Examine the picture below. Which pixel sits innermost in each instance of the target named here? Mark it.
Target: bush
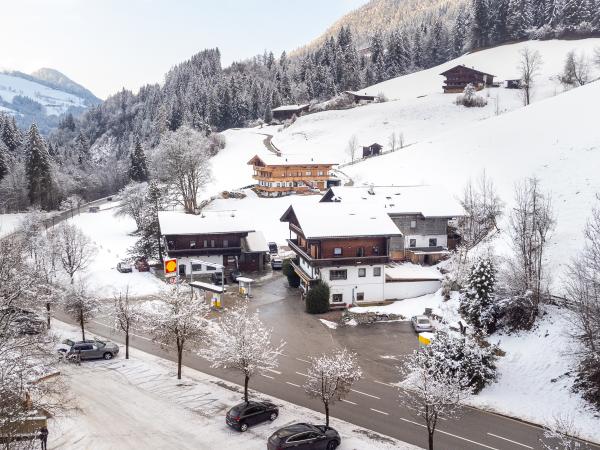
(588, 380)
(290, 273)
(317, 299)
(517, 312)
(469, 98)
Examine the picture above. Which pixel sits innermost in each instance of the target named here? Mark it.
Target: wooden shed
(357, 97)
(458, 77)
(372, 150)
(286, 112)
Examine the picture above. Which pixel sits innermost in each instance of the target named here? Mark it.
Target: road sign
(170, 266)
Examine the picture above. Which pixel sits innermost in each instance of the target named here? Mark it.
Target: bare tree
(576, 71)
(558, 434)
(240, 341)
(401, 139)
(331, 376)
(181, 161)
(81, 305)
(597, 56)
(432, 391)
(393, 142)
(531, 223)
(352, 148)
(180, 321)
(529, 68)
(75, 250)
(133, 202)
(126, 315)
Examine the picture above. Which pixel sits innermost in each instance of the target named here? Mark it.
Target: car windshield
(424, 321)
(68, 342)
(100, 344)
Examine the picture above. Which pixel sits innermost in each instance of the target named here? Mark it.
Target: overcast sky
(109, 44)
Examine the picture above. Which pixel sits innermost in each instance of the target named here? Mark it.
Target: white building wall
(423, 240)
(371, 286)
(215, 259)
(399, 290)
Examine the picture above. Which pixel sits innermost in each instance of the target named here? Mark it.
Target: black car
(304, 436)
(244, 415)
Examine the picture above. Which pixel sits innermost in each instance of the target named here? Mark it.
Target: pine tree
(479, 24)
(82, 149)
(38, 169)
(149, 244)
(572, 14)
(460, 32)
(518, 21)
(477, 304)
(11, 135)
(498, 21)
(3, 160)
(138, 169)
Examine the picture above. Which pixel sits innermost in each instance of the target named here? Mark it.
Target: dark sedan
(304, 436)
(244, 415)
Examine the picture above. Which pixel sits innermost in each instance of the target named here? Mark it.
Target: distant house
(458, 77)
(277, 176)
(286, 112)
(372, 150)
(357, 97)
(215, 237)
(421, 213)
(512, 84)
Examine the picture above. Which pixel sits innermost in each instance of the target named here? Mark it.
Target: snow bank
(9, 223)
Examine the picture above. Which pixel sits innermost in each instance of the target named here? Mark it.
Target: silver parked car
(421, 323)
(91, 349)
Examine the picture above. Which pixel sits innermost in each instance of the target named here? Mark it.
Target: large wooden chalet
(286, 112)
(222, 238)
(458, 77)
(277, 176)
(423, 215)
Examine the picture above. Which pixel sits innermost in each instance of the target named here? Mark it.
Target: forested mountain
(90, 153)
(58, 80)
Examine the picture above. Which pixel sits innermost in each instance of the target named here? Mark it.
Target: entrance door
(182, 270)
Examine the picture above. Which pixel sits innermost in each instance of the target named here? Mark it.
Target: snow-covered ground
(139, 403)
(420, 110)
(10, 222)
(112, 237)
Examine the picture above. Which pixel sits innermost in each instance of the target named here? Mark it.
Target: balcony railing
(337, 261)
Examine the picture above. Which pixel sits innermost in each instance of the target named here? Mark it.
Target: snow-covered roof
(338, 220)
(429, 201)
(285, 159)
(290, 107)
(409, 271)
(214, 222)
(256, 242)
(359, 94)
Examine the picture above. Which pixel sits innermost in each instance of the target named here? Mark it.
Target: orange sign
(170, 267)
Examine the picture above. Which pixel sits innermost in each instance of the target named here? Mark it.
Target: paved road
(374, 403)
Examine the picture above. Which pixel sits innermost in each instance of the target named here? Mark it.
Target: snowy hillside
(419, 110)
(554, 139)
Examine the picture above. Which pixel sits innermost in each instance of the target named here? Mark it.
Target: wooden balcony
(337, 261)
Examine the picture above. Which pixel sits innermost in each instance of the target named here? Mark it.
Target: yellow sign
(424, 338)
(170, 267)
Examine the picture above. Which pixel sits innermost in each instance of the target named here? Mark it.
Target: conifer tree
(38, 169)
(479, 24)
(138, 168)
(11, 135)
(477, 304)
(517, 20)
(3, 160)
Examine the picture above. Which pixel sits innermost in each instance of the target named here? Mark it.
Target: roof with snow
(208, 222)
(462, 66)
(289, 159)
(426, 200)
(291, 107)
(255, 242)
(337, 220)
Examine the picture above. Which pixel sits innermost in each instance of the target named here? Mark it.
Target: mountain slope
(55, 79)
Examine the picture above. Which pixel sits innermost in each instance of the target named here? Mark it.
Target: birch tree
(331, 376)
(239, 341)
(181, 161)
(75, 250)
(81, 305)
(178, 321)
(125, 315)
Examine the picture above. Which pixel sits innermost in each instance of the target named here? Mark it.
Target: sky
(106, 45)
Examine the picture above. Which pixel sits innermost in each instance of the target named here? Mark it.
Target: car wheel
(243, 427)
(273, 416)
(108, 356)
(332, 445)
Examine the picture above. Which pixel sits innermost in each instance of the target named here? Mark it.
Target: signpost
(170, 268)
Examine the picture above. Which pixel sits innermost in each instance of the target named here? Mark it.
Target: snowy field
(10, 222)
(111, 237)
(139, 403)
(420, 110)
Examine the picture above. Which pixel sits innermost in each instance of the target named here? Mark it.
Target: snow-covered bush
(478, 303)
(470, 98)
(517, 312)
(317, 299)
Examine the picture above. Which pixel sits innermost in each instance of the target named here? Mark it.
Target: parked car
(304, 436)
(234, 274)
(141, 265)
(244, 415)
(276, 263)
(91, 349)
(94, 209)
(421, 323)
(124, 267)
(216, 278)
(273, 249)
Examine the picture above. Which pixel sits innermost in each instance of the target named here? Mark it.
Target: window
(362, 272)
(337, 298)
(308, 173)
(196, 267)
(320, 173)
(433, 242)
(360, 296)
(337, 251)
(376, 271)
(171, 245)
(225, 243)
(212, 243)
(211, 268)
(413, 224)
(338, 274)
(192, 244)
(360, 252)
(376, 250)
(205, 243)
(412, 243)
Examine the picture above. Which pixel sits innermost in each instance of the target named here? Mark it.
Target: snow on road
(139, 403)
